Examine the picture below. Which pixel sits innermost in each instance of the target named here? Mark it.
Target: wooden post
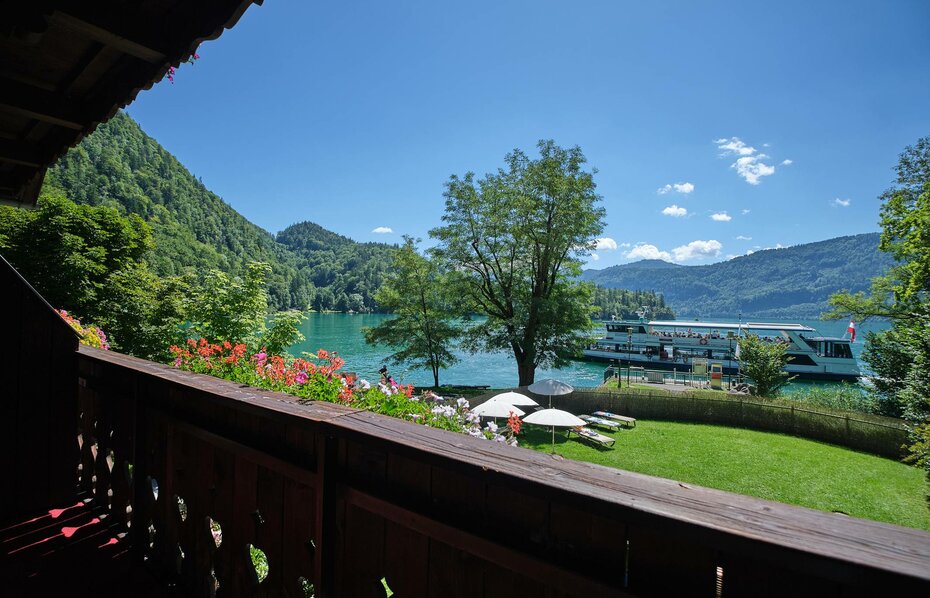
(325, 554)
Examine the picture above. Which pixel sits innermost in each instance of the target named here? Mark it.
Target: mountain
(345, 273)
(793, 282)
(120, 166)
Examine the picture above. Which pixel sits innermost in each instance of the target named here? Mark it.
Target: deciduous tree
(901, 356)
(513, 242)
(422, 328)
(764, 363)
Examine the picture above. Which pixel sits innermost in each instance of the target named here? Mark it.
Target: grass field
(772, 466)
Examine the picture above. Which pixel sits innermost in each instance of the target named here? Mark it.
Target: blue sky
(716, 128)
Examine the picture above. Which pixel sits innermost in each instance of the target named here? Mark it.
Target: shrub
(319, 378)
(91, 335)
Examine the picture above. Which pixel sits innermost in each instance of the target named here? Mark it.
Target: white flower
(492, 427)
(462, 403)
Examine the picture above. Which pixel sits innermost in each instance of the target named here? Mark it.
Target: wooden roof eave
(122, 56)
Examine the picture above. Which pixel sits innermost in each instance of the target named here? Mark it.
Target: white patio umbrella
(554, 418)
(550, 388)
(514, 398)
(496, 409)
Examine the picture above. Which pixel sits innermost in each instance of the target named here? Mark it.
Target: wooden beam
(110, 36)
(550, 574)
(19, 153)
(28, 101)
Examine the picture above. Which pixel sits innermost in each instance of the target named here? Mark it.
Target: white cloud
(743, 238)
(721, 217)
(605, 244)
(595, 257)
(677, 187)
(675, 211)
(750, 252)
(734, 145)
(752, 169)
(645, 251)
(697, 249)
(746, 211)
(840, 203)
(383, 230)
(625, 245)
(787, 162)
(749, 164)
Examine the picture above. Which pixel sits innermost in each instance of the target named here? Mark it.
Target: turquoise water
(343, 333)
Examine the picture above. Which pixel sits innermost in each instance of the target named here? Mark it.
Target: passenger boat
(679, 345)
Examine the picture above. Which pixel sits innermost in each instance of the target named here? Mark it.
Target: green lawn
(772, 466)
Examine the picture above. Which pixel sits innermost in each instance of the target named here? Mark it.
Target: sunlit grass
(772, 466)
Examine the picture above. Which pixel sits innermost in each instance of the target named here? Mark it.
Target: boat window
(800, 359)
(842, 350)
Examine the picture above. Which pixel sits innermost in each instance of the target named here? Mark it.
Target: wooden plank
(454, 573)
(300, 546)
(115, 39)
(32, 443)
(241, 530)
(19, 153)
(63, 422)
(550, 574)
(30, 102)
(258, 457)
(363, 563)
(270, 532)
(652, 555)
(11, 354)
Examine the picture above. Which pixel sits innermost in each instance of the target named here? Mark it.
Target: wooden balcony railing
(349, 501)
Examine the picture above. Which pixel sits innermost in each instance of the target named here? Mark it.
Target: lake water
(343, 333)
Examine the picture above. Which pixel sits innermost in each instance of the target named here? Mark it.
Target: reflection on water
(343, 333)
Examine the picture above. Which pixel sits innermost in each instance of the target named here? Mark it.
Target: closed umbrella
(514, 398)
(496, 409)
(554, 418)
(550, 388)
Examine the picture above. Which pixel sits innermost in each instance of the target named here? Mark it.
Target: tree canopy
(764, 363)
(900, 357)
(120, 167)
(513, 243)
(423, 328)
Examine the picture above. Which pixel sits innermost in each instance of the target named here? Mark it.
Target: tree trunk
(527, 372)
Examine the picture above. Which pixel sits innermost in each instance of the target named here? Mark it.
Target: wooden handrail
(231, 451)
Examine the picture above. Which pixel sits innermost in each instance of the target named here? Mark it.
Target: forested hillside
(624, 304)
(345, 273)
(120, 166)
(776, 283)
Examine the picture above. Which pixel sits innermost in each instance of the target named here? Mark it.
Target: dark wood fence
(349, 501)
(883, 436)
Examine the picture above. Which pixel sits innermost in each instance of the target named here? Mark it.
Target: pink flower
(301, 378)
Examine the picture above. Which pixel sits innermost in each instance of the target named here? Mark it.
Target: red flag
(852, 331)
